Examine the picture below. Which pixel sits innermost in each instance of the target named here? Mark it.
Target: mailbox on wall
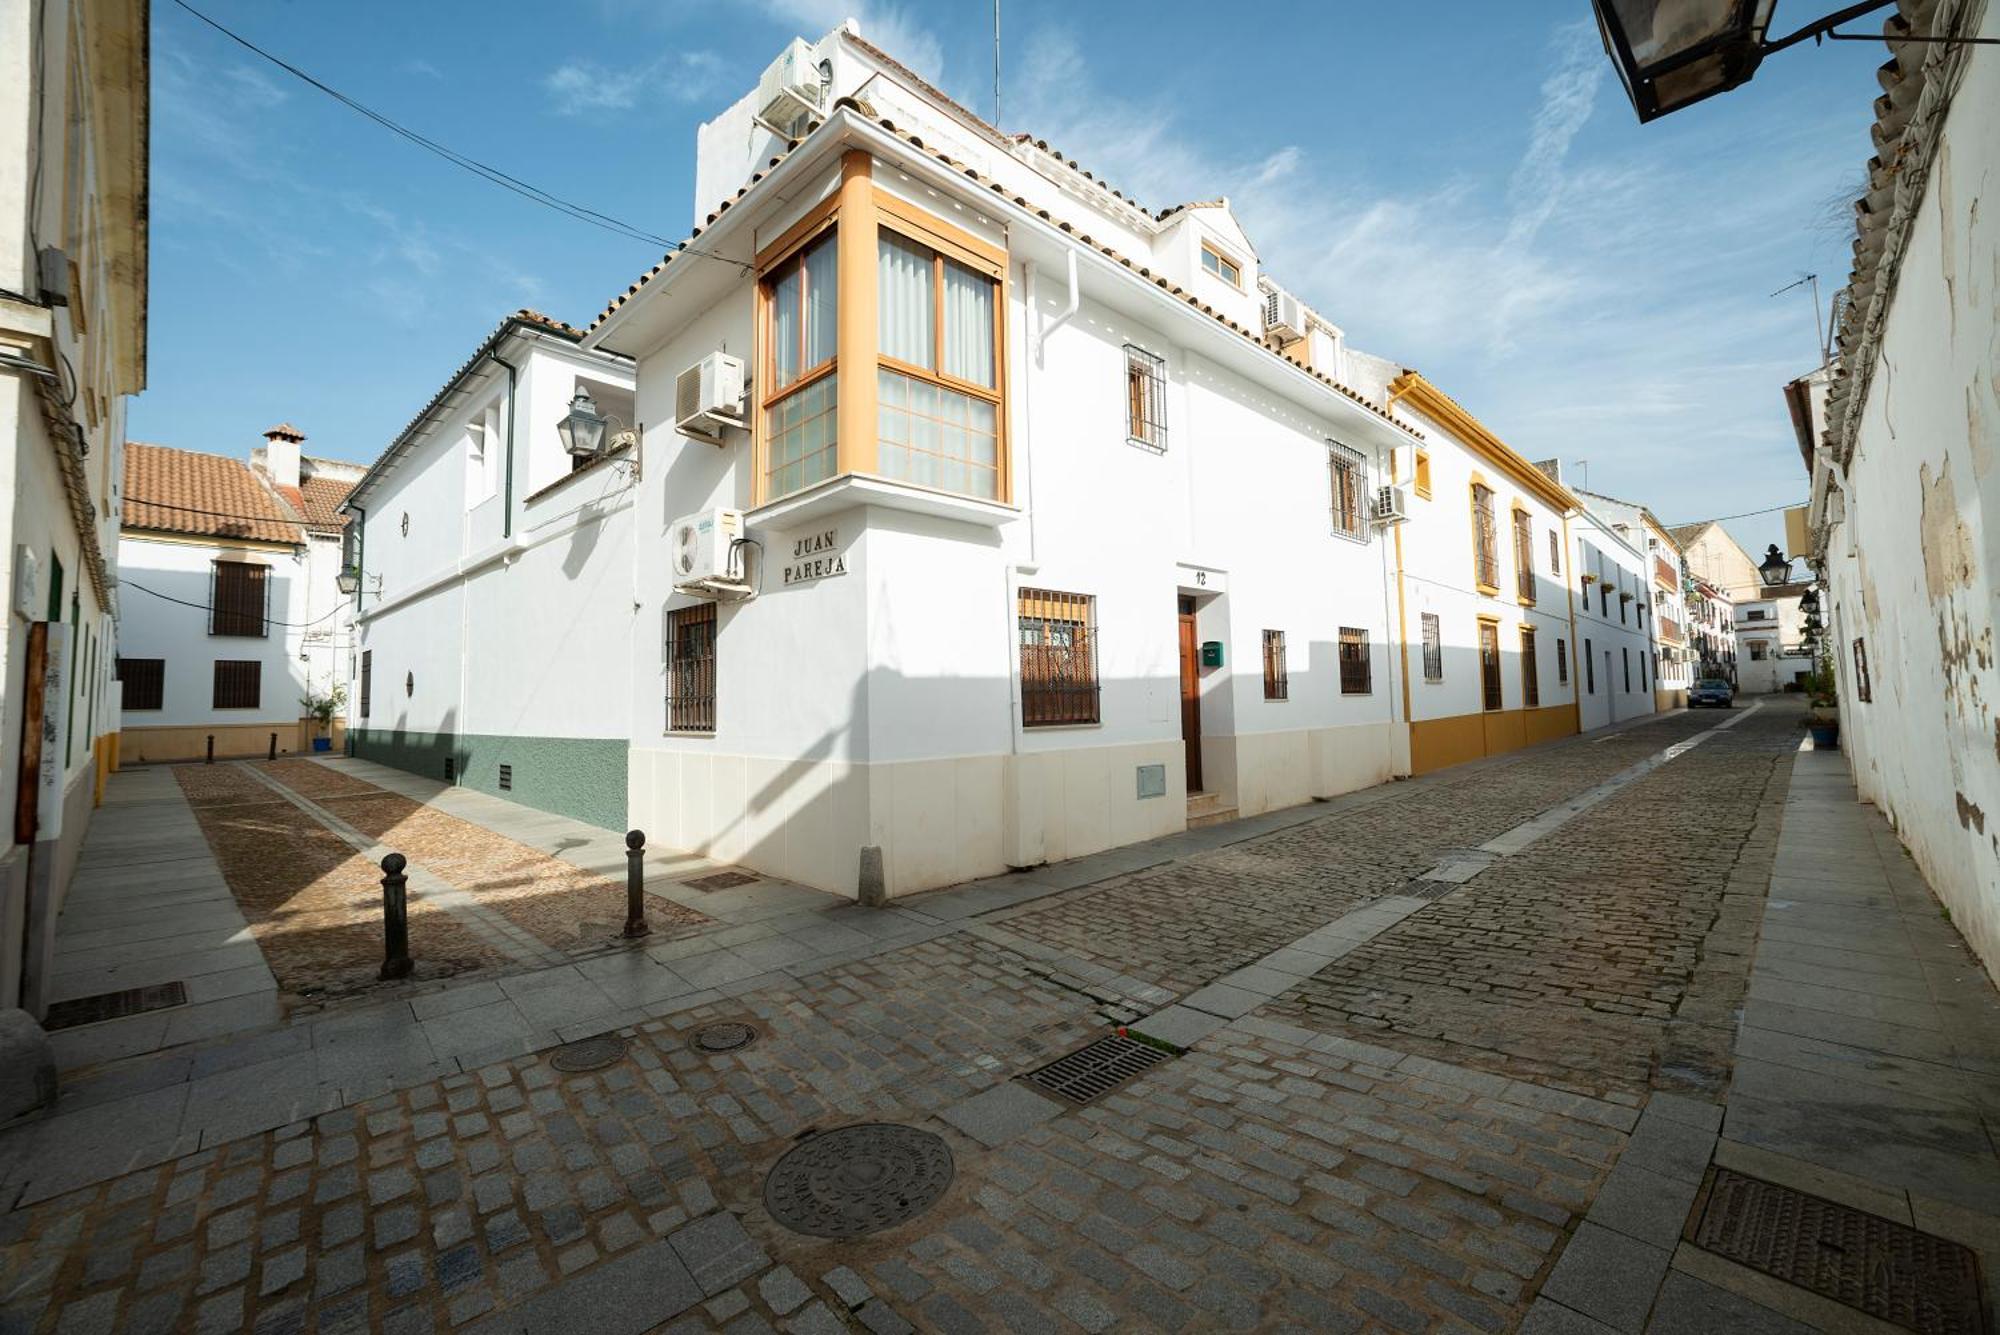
(1211, 653)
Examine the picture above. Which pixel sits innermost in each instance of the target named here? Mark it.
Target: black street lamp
(1775, 568)
(582, 429)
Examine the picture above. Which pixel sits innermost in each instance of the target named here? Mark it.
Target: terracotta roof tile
(320, 499)
(204, 495)
(286, 431)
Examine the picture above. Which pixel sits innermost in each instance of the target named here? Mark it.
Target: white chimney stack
(281, 454)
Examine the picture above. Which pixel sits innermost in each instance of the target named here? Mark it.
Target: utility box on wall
(1211, 653)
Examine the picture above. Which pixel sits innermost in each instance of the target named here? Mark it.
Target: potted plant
(1822, 718)
(322, 709)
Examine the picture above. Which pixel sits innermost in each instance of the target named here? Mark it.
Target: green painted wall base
(580, 777)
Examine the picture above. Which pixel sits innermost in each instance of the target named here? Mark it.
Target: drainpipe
(360, 551)
(507, 497)
(1036, 339)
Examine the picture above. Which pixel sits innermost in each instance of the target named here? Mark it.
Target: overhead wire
(204, 607)
(1747, 514)
(514, 184)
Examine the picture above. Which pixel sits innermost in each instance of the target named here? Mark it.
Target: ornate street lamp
(582, 429)
(1775, 568)
(1673, 53)
(348, 580)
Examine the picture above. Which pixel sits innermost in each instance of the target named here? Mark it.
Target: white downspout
(1038, 338)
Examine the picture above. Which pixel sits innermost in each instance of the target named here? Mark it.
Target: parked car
(1712, 691)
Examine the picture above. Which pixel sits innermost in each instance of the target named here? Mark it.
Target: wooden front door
(1191, 695)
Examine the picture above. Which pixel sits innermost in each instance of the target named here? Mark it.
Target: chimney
(1551, 469)
(281, 454)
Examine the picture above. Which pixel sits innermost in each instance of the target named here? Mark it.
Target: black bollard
(395, 918)
(274, 747)
(635, 885)
(211, 750)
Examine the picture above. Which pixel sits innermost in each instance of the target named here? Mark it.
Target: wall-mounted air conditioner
(1392, 504)
(790, 90)
(1284, 314)
(708, 397)
(704, 549)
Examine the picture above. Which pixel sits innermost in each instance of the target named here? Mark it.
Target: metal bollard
(274, 747)
(211, 750)
(635, 885)
(396, 961)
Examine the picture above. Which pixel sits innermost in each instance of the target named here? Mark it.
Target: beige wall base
(233, 741)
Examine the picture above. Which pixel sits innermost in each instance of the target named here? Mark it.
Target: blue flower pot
(1825, 736)
(322, 743)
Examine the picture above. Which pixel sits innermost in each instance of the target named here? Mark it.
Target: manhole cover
(722, 880)
(724, 1036)
(1093, 1071)
(858, 1180)
(589, 1054)
(114, 1005)
(1915, 1280)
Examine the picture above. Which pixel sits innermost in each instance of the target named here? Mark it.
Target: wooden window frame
(1277, 680)
(1485, 540)
(233, 611)
(1223, 259)
(229, 678)
(1349, 504)
(1145, 399)
(770, 394)
(1357, 673)
(1562, 661)
(691, 677)
(1423, 475)
(1524, 556)
(1555, 555)
(1048, 700)
(1433, 647)
(1492, 687)
(150, 678)
(1531, 672)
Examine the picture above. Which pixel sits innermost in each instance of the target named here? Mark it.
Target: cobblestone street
(1434, 1122)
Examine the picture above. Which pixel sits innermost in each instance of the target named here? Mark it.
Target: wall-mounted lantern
(582, 428)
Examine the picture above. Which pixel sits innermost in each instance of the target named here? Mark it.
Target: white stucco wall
(1607, 642)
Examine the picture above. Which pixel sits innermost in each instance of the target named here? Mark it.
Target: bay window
(804, 302)
(937, 390)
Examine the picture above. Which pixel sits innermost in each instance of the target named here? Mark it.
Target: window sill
(1490, 590)
(1061, 727)
(1141, 443)
(689, 732)
(852, 490)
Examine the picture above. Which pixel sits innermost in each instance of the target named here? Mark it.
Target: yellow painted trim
(1435, 404)
(1443, 742)
(1402, 604)
(856, 336)
(941, 236)
(1423, 477)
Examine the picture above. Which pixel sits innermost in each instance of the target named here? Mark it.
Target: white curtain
(822, 300)
(968, 325)
(904, 300)
(785, 328)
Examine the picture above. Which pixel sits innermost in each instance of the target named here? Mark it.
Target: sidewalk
(1867, 1073)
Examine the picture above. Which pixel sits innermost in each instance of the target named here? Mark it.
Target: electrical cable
(204, 607)
(512, 184)
(219, 514)
(1747, 514)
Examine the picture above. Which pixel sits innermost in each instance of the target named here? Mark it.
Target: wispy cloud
(582, 87)
(422, 69)
(900, 30)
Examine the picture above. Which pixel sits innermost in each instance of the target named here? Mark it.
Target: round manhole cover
(858, 1180)
(589, 1054)
(724, 1036)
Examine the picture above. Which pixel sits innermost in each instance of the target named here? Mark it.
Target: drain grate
(724, 1036)
(1422, 888)
(115, 1005)
(1915, 1280)
(858, 1180)
(722, 880)
(589, 1054)
(1092, 1071)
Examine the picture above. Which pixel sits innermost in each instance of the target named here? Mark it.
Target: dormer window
(1219, 264)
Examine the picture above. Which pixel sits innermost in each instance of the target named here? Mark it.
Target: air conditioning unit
(1392, 504)
(790, 89)
(703, 550)
(1284, 314)
(708, 396)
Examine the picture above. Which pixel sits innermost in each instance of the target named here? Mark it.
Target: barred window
(1348, 475)
(1589, 669)
(1562, 662)
(1277, 683)
(1489, 665)
(239, 599)
(1531, 678)
(1486, 549)
(1862, 690)
(1433, 649)
(1354, 674)
(239, 683)
(1555, 554)
(1058, 658)
(367, 679)
(691, 668)
(1145, 398)
(145, 682)
(1625, 657)
(1524, 555)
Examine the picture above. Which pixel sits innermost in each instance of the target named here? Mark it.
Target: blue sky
(1461, 186)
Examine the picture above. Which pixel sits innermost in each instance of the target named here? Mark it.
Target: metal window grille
(1625, 657)
(506, 778)
(1145, 397)
(1433, 649)
(1562, 662)
(1058, 658)
(1531, 677)
(1277, 683)
(239, 683)
(691, 669)
(367, 679)
(1524, 555)
(1589, 669)
(1862, 691)
(1489, 664)
(239, 599)
(1354, 674)
(1486, 552)
(145, 682)
(1347, 476)
(1555, 554)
